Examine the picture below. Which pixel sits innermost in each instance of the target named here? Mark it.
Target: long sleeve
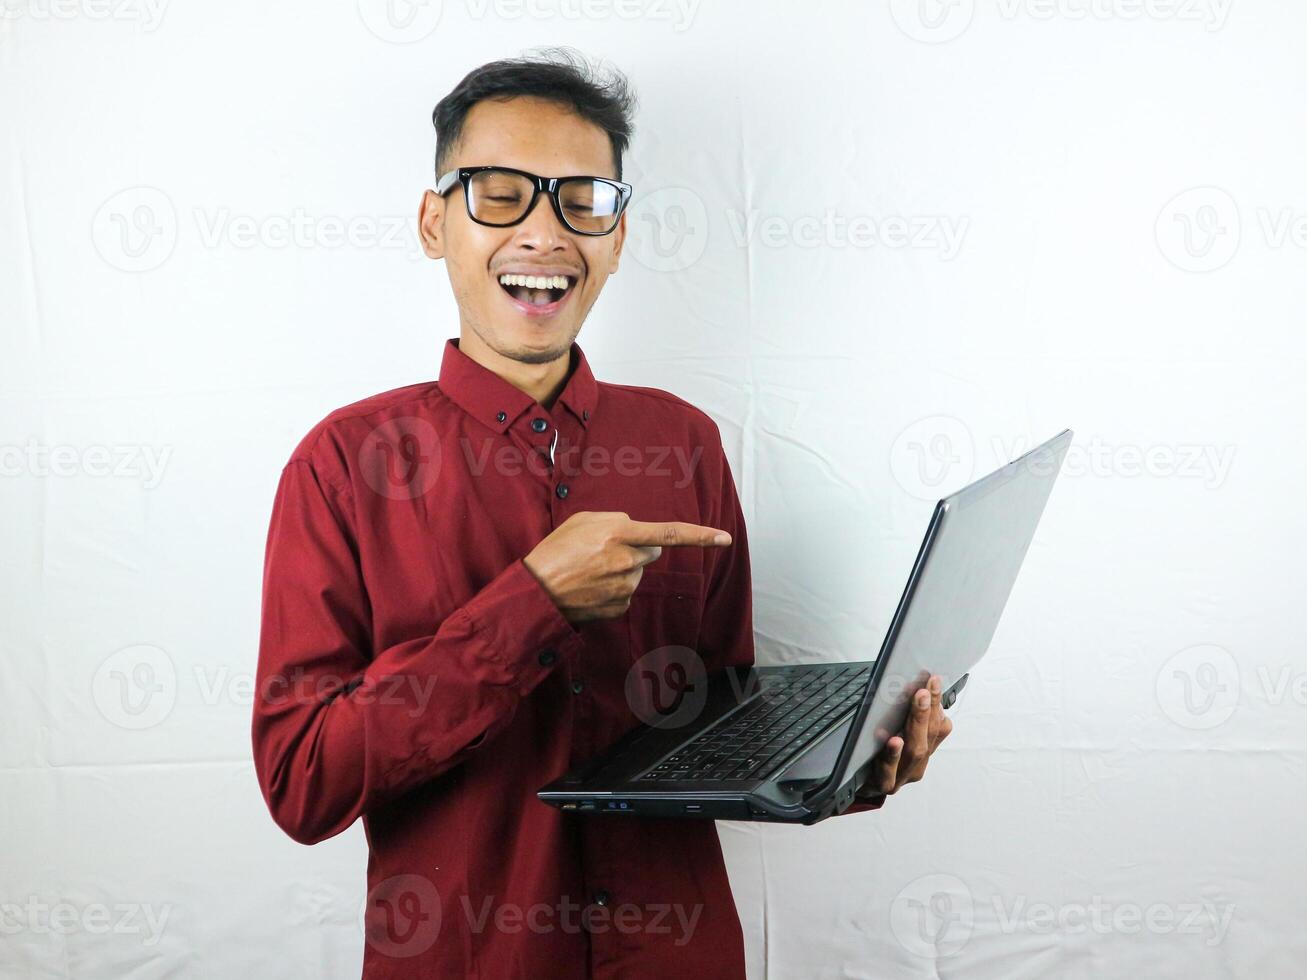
(339, 728)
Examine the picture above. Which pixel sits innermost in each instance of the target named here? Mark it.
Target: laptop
(791, 744)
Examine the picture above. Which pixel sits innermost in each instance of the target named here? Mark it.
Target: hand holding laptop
(904, 757)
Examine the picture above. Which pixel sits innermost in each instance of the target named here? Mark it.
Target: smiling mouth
(542, 291)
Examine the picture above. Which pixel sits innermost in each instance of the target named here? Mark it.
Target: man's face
(543, 138)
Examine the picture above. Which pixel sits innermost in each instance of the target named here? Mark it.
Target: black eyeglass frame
(549, 185)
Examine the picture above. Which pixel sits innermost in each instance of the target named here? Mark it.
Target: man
(462, 576)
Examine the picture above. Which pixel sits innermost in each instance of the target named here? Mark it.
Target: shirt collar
(492, 400)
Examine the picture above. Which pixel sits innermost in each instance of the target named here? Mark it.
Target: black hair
(601, 96)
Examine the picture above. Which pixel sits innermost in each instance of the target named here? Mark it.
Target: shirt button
(601, 898)
(547, 657)
(539, 425)
(561, 490)
(500, 416)
(585, 415)
(577, 687)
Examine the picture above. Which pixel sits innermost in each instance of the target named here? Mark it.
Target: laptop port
(694, 808)
(587, 805)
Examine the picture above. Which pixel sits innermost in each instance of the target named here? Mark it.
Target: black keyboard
(766, 732)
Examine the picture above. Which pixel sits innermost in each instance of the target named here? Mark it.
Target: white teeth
(535, 282)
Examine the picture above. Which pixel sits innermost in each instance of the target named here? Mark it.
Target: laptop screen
(963, 576)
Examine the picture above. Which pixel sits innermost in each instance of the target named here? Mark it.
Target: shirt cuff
(861, 804)
(520, 627)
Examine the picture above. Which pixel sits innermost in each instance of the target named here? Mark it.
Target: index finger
(674, 534)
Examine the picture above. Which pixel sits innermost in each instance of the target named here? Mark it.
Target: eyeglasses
(502, 196)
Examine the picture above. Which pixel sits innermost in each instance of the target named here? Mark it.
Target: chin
(533, 343)
(536, 356)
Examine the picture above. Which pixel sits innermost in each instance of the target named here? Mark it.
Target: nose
(540, 229)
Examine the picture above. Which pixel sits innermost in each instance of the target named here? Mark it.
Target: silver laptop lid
(960, 582)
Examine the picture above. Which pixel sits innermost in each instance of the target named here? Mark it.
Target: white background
(1106, 229)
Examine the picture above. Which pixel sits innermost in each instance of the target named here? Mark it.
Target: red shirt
(413, 672)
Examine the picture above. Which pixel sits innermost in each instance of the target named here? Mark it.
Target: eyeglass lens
(498, 197)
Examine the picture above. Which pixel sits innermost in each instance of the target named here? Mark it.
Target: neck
(544, 381)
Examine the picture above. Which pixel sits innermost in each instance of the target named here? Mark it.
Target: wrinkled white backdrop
(885, 246)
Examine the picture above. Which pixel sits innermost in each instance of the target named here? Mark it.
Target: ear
(431, 220)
